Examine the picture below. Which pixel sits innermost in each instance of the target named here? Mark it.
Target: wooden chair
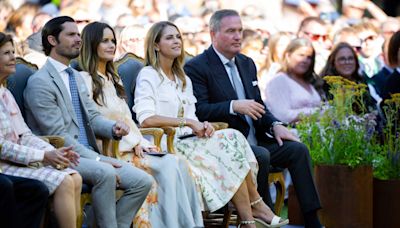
(276, 177)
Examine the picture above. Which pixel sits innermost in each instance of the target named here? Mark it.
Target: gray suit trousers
(135, 183)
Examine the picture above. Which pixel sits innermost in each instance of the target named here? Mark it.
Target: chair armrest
(56, 141)
(157, 134)
(170, 132)
(220, 125)
(114, 144)
(106, 143)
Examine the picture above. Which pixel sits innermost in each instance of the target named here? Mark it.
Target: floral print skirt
(219, 163)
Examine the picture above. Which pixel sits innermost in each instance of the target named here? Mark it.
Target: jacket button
(75, 136)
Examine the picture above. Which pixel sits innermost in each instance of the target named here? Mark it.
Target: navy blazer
(392, 85)
(214, 91)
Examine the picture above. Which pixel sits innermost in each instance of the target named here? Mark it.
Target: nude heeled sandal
(275, 222)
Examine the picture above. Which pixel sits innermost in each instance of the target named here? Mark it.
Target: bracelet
(182, 122)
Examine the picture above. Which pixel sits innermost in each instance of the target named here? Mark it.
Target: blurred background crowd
(269, 26)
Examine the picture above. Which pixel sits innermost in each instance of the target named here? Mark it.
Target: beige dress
(173, 200)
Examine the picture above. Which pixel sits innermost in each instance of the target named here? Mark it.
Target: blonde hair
(295, 44)
(151, 56)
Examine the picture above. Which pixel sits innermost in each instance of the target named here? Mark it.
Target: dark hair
(92, 35)
(4, 38)
(394, 49)
(53, 28)
(216, 18)
(329, 69)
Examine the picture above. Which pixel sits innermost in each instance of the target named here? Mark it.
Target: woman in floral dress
(222, 161)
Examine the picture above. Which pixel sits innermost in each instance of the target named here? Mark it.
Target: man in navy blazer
(226, 87)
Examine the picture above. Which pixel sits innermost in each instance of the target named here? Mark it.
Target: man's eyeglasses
(316, 37)
(349, 59)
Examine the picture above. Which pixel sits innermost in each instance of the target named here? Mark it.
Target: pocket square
(254, 83)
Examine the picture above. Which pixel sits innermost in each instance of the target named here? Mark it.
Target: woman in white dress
(25, 155)
(173, 200)
(222, 161)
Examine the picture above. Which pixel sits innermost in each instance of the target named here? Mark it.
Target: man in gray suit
(57, 103)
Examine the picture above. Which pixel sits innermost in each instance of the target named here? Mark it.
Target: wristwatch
(276, 123)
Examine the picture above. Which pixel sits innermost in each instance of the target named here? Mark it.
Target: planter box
(386, 203)
(346, 195)
(294, 211)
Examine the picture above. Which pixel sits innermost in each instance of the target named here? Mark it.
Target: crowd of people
(211, 65)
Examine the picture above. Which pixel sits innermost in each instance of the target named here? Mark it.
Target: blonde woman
(222, 161)
(173, 201)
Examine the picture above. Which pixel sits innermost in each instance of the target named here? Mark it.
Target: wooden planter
(346, 195)
(294, 211)
(386, 203)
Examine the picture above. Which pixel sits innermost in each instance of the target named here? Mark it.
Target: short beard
(68, 54)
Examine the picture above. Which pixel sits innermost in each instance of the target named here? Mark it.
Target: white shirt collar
(60, 67)
(223, 59)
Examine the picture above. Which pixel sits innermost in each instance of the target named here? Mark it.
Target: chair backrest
(128, 68)
(16, 82)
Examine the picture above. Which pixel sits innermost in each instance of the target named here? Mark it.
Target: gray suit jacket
(49, 110)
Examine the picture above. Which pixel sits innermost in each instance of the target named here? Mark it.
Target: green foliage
(387, 161)
(338, 135)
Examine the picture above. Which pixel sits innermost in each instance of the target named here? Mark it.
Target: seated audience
(222, 161)
(277, 44)
(225, 85)
(131, 40)
(343, 62)
(316, 30)
(292, 93)
(369, 56)
(25, 155)
(174, 202)
(392, 84)
(57, 102)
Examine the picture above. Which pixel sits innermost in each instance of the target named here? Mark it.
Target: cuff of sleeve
(116, 137)
(37, 155)
(231, 109)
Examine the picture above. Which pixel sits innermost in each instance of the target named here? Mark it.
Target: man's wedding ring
(58, 166)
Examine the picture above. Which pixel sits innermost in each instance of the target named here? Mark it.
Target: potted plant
(341, 139)
(387, 169)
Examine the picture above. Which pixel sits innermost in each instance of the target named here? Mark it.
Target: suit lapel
(220, 75)
(63, 90)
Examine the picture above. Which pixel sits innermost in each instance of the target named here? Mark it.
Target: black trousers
(22, 201)
(294, 156)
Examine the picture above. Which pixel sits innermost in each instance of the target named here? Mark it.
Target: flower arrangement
(342, 132)
(387, 162)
